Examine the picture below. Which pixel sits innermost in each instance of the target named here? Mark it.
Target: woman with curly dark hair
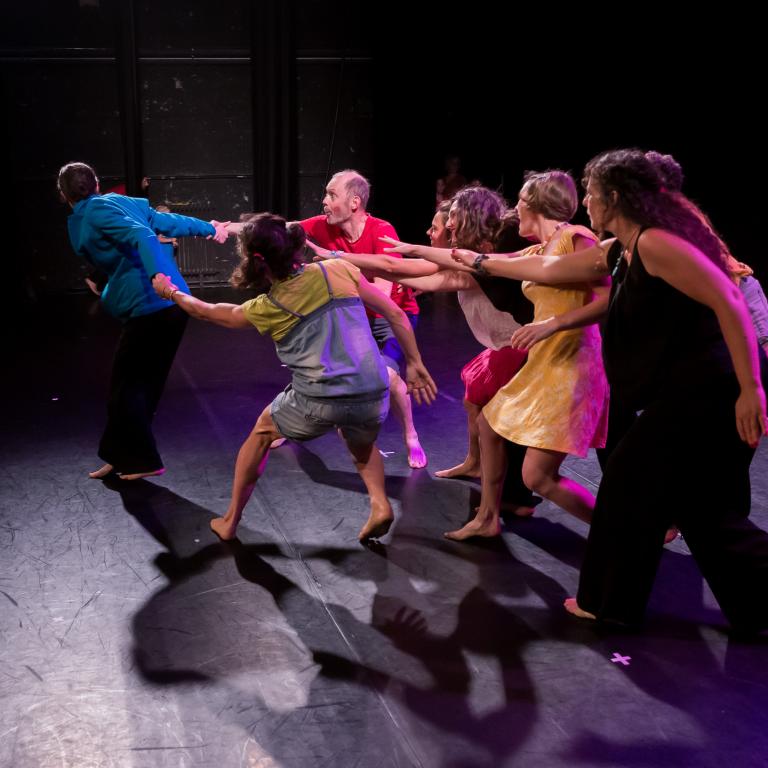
(679, 346)
(314, 313)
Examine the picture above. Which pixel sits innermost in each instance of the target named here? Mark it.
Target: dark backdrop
(236, 105)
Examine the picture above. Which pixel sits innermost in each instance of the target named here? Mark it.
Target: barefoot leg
(573, 607)
(541, 474)
(370, 465)
(140, 475)
(251, 460)
(101, 472)
(493, 462)
(401, 407)
(484, 525)
(470, 467)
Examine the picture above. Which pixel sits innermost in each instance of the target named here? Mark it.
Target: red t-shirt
(330, 236)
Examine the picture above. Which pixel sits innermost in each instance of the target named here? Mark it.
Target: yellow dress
(559, 399)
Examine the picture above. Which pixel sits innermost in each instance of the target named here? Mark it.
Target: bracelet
(334, 254)
(171, 294)
(477, 264)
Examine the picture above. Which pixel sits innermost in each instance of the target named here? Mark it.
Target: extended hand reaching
(420, 383)
(163, 285)
(222, 233)
(464, 256)
(321, 254)
(395, 246)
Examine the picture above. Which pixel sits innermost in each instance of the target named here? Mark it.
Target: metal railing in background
(202, 262)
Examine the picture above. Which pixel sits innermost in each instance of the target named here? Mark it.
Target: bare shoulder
(654, 237)
(662, 251)
(656, 243)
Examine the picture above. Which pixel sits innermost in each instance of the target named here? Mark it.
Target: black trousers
(621, 417)
(142, 362)
(681, 461)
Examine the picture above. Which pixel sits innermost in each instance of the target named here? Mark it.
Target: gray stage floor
(131, 637)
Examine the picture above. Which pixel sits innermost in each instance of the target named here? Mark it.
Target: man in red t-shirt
(347, 227)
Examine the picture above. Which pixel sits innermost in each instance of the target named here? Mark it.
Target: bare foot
(416, 456)
(277, 443)
(486, 528)
(139, 475)
(516, 509)
(467, 468)
(573, 607)
(671, 534)
(378, 522)
(223, 528)
(103, 472)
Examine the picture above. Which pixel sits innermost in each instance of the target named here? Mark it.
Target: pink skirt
(485, 374)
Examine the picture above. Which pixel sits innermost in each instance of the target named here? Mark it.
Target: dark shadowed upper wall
(235, 104)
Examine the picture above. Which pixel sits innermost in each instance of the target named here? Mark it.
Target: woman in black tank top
(678, 344)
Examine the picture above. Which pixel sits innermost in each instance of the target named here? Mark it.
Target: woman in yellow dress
(557, 403)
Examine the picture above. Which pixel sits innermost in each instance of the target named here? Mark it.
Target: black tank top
(657, 340)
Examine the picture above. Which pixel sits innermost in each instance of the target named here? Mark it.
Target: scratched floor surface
(132, 638)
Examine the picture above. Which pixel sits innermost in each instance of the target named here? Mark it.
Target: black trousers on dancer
(142, 362)
(621, 417)
(680, 462)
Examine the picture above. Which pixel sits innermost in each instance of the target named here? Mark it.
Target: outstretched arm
(228, 315)
(584, 266)
(440, 256)
(379, 264)
(108, 218)
(442, 282)
(177, 225)
(234, 227)
(581, 267)
(417, 377)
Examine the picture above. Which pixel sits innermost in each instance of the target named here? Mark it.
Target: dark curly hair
(669, 169)
(266, 241)
(643, 197)
(671, 173)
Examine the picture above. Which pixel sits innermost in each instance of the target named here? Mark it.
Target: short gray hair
(357, 185)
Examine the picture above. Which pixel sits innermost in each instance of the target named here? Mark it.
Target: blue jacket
(118, 234)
